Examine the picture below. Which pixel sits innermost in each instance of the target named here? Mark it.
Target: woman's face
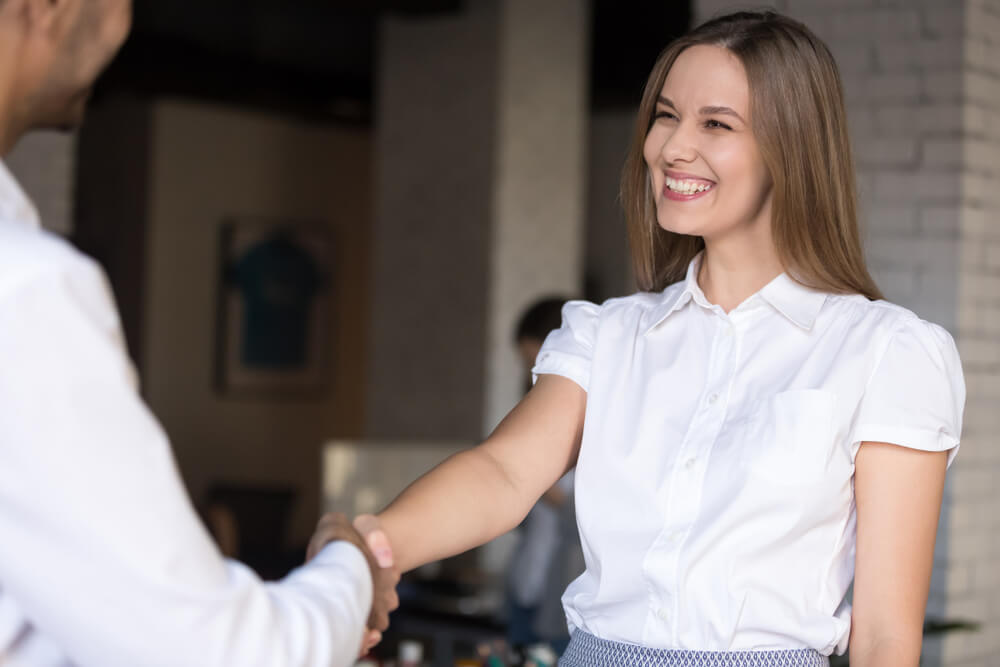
(705, 167)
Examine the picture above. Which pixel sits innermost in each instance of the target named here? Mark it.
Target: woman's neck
(728, 276)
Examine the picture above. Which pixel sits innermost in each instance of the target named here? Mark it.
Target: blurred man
(102, 560)
(548, 555)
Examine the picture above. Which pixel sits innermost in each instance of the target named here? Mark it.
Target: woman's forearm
(462, 503)
(887, 651)
(484, 492)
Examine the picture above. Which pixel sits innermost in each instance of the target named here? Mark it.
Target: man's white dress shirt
(714, 488)
(103, 561)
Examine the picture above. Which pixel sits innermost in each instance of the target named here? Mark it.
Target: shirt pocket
(789, 437)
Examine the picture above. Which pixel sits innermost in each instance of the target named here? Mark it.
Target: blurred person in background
(548, 555)
(103, 561)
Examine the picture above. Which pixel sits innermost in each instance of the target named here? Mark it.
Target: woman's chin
(683, 227)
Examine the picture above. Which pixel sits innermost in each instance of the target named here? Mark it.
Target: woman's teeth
(687, 187)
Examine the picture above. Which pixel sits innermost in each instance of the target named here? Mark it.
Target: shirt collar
(798, 303)
(795, 301)
(677, 296)
(15, 207)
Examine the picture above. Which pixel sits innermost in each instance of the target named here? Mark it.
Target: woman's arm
(484, 492)
(898, 492)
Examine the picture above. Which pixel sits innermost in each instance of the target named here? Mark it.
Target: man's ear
(43, 16)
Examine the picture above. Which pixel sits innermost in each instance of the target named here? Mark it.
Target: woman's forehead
(705, 75)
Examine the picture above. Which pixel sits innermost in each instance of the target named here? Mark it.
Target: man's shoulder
(28, 254)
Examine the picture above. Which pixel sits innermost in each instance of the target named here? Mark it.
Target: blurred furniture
(251, 523)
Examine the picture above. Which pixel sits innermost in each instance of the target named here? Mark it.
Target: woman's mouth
(685, 189)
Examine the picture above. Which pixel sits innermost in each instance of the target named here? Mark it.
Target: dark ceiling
(317, 57)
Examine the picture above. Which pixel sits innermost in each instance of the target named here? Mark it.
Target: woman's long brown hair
(798, 119)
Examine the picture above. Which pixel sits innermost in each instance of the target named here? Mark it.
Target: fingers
(375, 537)
(372, 638)
(386, 600)
(392, 602)
(330, 525)
(379, 619)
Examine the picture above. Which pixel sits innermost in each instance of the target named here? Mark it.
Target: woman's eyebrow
(704, 111)
(724, 111)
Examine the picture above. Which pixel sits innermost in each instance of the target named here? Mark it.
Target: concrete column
(479, 185)
(435, 151)
(537, 237)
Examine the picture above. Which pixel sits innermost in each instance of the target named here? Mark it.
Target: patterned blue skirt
(586, 650)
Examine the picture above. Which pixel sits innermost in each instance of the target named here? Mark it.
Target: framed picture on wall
(274, 330)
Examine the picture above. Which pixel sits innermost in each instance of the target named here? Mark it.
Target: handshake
(366, 534)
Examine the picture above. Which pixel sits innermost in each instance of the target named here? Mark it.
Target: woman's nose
(679, 145)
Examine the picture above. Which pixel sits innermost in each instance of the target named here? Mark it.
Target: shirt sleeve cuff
(914, 438)
(566, 365)
(349, 559)
(347, 556)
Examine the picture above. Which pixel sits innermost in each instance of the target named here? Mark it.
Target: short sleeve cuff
(346, 556)
(567, 365)
(913, 438)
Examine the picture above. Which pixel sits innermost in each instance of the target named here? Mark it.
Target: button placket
(684, 490)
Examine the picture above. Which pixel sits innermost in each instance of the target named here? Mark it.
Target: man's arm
(102, 550)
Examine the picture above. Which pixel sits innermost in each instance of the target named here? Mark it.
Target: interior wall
(210, 164)
(112, 179)
(608, 267)
(43, 163)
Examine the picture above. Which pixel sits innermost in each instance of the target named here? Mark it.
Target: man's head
(536, 322)
(51, 52)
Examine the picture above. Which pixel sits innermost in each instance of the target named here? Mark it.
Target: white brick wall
(972, 532)
(922, 82)
(44, 164)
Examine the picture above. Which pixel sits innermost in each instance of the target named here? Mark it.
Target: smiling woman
(754, 429)
(785, 85)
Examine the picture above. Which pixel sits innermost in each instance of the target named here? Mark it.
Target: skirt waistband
(586, 650)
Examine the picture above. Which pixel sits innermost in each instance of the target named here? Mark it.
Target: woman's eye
(716, 125)
(664, 114)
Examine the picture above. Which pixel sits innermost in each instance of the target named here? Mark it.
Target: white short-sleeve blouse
(715, 481)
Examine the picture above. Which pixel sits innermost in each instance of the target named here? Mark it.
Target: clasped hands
(366, 534)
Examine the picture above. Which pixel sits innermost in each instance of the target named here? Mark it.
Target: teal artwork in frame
(273, 333)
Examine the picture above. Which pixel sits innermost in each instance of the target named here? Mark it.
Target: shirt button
(664, 616)
(729, 332)
(712, 399)
(690, 463)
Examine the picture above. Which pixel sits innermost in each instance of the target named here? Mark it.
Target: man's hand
(367, 536)
(385, 598)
